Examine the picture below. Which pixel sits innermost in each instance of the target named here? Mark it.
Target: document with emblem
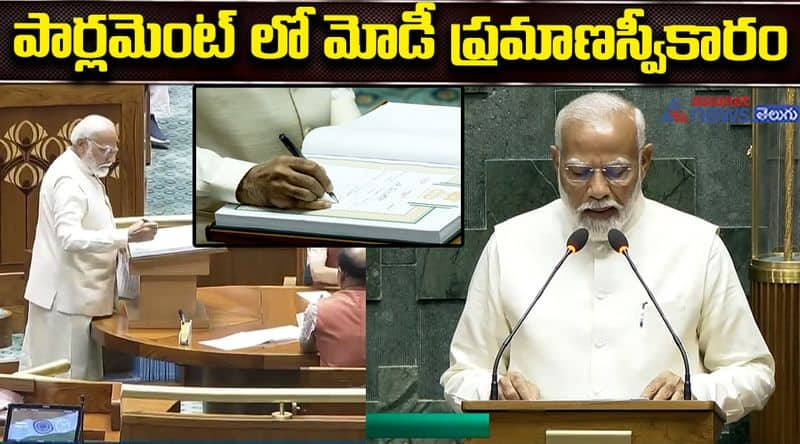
(396, 172)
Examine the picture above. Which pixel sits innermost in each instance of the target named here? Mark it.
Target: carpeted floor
(169, 175)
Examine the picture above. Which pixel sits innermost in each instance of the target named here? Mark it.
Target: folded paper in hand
(245, 339)
(127, 285)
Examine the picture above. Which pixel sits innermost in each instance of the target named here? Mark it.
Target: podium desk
(600, 422)
(230, 310)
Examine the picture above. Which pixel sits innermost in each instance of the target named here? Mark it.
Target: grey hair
(88, 127)
(597, 107)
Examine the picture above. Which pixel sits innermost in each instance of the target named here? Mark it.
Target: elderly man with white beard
(594, 334)
(73, 264)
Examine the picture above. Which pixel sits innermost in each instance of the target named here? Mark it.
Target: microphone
(575, 242)
(619, 243)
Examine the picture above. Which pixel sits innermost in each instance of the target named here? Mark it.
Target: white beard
(598, 229)
(98, 169)
(102, 170)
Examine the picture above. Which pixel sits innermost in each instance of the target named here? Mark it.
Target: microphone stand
(687, 387)
(493, 395)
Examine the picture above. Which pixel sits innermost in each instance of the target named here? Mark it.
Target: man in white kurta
(594, 334)
(73, 266)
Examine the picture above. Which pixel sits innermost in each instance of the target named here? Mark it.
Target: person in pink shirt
(336, 326)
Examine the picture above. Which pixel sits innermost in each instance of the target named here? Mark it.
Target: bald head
(353, 267)
(92, 126)
(94, 140)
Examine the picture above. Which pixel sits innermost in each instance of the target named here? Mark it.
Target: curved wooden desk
(230, 310)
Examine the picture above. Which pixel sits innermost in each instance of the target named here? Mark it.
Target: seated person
(322, 267)
(336, 326)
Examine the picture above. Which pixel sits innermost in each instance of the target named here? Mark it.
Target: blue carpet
(169, 175)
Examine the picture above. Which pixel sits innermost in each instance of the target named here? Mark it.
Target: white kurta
(51, 335)
(73, 267)
(589, 337)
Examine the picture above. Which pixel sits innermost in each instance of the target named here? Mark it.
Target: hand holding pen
(296, 153)
(142, 231)
(288, 182)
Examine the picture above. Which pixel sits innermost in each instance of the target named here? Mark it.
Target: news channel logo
(727, 110)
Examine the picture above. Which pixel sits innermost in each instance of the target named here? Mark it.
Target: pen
(181, 316)
(296, 153)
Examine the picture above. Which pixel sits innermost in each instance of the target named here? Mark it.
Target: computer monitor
(43, 423)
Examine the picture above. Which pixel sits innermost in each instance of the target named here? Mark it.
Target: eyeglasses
(106, 149)
(614, 173)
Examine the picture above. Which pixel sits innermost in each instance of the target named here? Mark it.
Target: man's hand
(667, 385)
(514, 386)
(142, 231)
(285, 182)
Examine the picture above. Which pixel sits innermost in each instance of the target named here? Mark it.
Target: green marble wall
(416, 295)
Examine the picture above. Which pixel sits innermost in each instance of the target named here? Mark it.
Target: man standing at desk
(336, 326)
(240, 158)
(73, 266)
(593, 334)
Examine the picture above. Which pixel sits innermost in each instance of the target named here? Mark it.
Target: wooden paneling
(656, 422)
(35, 122)
(12, 220)
(182, 427)
(12, 288)
(251, 266)
(97, 395)
(776, 308)
(98, 422)
(230, 310)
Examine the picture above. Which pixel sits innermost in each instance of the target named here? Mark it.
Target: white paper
(438, 196)
(313, 296)
(167, 241)
(383, 190)
(412, 117)
(394, 131)
(127, 284)
(245, 339)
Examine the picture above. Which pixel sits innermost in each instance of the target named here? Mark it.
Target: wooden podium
(599, 422)
(168, 283)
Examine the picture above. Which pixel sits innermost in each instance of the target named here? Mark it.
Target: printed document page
(371, 189)
(245, 339)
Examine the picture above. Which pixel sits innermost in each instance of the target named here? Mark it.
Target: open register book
(396, 172)
(172, 240)
(167, 241)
